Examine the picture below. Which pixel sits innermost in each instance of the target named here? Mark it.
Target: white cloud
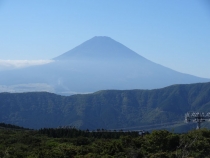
(13, 64)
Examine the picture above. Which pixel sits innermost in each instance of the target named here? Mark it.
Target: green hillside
(109, 109)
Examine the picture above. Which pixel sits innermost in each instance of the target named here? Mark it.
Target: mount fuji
(100, 63)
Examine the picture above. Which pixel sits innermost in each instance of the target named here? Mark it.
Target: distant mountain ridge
(110, 109)
(100, 63)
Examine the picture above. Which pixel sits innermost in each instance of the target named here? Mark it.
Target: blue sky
(173, 33)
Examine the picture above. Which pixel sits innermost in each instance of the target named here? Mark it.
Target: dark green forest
(17, 142)
(109, 109)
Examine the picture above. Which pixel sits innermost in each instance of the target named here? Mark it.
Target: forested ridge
(72, 142)
(108, 109)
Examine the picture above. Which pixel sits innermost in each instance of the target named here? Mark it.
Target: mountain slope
(100, 48)
(111, 109)
(98, 64)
